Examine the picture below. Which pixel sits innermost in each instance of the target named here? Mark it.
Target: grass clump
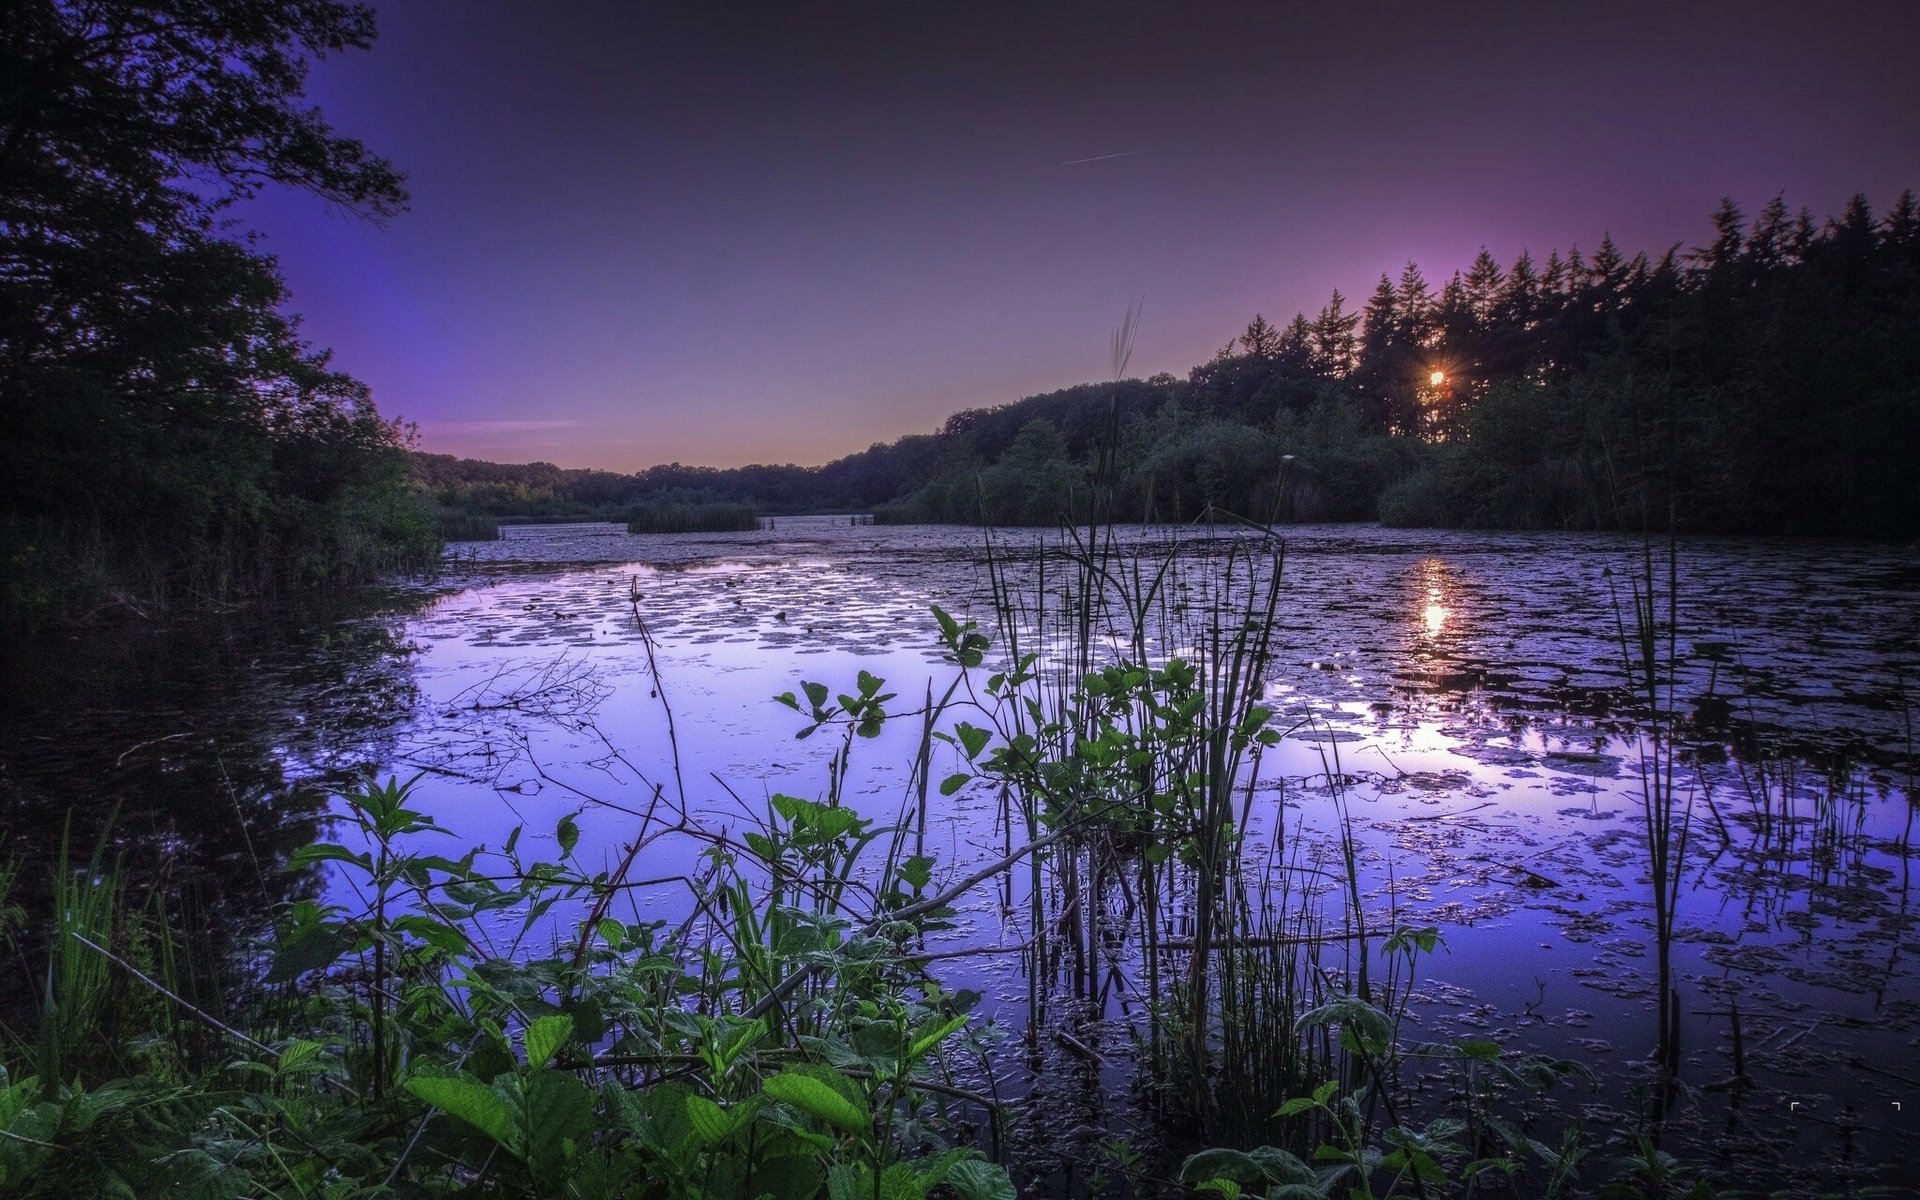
(469, 527)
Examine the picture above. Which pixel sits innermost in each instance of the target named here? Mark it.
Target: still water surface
(1462, 690)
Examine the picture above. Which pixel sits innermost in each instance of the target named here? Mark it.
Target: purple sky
(724, 234)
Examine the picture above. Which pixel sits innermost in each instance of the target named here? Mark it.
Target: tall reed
(1650, 655)
(1130, 714)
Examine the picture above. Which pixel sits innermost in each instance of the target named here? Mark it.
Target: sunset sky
(721, 234)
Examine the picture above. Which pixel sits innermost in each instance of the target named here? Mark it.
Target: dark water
(196, 756)
(1464, 690)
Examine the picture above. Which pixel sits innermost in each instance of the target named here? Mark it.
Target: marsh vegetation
(1100, 824)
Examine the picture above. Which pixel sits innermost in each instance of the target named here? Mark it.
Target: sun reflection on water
(1436, 588)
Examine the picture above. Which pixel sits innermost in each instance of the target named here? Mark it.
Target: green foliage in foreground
(779, 1039)
(763, 1046)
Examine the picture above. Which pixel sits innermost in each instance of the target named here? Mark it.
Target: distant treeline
(541, 489)
(1767, 382)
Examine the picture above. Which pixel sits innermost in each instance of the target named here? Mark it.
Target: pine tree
(1261, 340)
(1853, 236)
(1804, 235)
(1769, 243)
(1719, 256)
(1902, 238)
(1902, 222)
(1455, 321)
(1520, 298)
(1335, 348)
(1483, 285)
(1607, 277)
(1553, 284)
(1414, 308)
(1380, 323)
(1576, 284)
(1293, 348)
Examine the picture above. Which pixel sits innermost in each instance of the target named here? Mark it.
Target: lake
(1456, 725)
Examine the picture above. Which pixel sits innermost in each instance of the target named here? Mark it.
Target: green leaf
(328, 852)
(816, 1099)
(656, 1117)
(977, 1179)
(473, 1102)
(1424, 939)
(298, 1055)
(792, 808)
(559, 1121)
(899, 1181)
(1282, 1166)
(1245, 1169)
(545, 1036)
(710, 1121)
(929, 1172)
(916, 871)
(954, 783)
(308, 948)
(949, 628)
(928, 1038)
(739, 1040)
(438, 934)
(589, 1018)
(1353, 1015)
(847, 1181)
(973, 739)
(568, 834)
(1508, 1166)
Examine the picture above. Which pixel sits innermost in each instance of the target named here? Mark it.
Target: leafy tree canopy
(149, 378)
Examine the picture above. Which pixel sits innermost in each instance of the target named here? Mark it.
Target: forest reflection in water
(194, 756)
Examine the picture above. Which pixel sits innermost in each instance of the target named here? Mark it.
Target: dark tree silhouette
(163, 429)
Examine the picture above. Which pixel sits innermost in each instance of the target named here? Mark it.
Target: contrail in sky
(1074, 162)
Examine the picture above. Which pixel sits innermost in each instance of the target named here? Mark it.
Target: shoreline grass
(691, 518)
